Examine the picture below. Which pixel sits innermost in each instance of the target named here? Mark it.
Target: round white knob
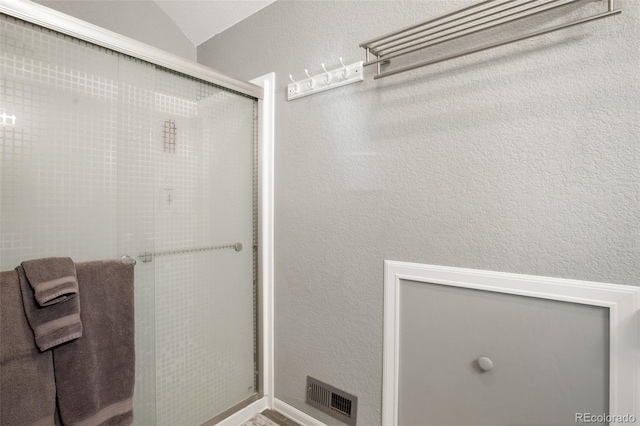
(485, 363)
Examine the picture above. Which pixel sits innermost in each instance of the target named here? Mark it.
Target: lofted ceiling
(200, 20)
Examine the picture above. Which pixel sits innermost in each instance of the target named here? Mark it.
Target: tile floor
(270, 418)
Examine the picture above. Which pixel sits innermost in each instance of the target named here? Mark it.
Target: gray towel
(95, 374)
(53, 279)
(54, 324)
(27, 386)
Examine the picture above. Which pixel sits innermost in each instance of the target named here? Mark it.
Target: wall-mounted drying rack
(329, 79)
(478, 17)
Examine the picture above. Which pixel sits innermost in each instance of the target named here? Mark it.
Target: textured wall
(141, 20)
(522, 159)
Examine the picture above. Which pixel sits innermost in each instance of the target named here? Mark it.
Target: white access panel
(549, 359)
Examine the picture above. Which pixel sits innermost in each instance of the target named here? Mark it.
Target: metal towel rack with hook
(472, 19)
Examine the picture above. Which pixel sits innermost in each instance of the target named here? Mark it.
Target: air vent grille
(319, 395)
(333, 401)
(341, 404)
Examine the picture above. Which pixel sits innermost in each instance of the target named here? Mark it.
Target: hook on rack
(345, 70)
(312, 82)
(296, 86)
(327, 79)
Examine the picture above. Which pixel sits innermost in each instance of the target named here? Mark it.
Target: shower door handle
(148, 256)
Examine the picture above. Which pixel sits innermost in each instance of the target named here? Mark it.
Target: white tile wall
(59, 159)
(84, 174)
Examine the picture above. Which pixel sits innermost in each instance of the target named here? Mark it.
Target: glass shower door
(203, 259)
(187, 211)
(103, 155)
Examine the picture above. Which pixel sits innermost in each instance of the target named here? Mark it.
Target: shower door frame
(74, 27)
(263, 92)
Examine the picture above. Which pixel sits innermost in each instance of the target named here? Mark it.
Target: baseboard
(260, 405)
(294, 414)
(246, 413)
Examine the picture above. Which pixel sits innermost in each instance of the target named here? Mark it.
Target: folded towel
(95, 374)
(54, 324)
(27, 385)
(53, 279)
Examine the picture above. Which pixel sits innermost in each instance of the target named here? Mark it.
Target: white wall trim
(294, 414)
(266, 229)
(245, 414)
(65, 24)
(622, 301)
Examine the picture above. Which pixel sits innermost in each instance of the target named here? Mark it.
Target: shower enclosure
(105, 155)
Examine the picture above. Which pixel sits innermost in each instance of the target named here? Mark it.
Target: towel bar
(148, 256)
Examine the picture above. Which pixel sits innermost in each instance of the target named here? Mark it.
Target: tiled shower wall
(86, 173)
(59, 169)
